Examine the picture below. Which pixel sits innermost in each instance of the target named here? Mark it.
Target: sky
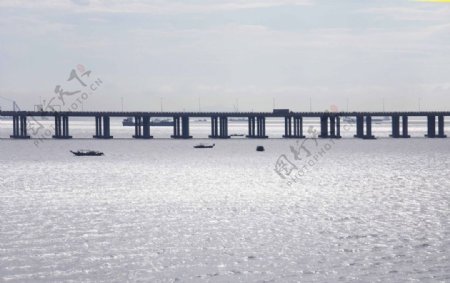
(216, 55)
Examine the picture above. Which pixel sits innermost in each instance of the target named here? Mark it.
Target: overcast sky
(227, 54)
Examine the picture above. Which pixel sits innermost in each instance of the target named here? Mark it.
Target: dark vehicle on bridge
(280, 111)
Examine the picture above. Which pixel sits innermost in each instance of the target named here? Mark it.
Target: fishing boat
(236, 135)
(87, 152)
(238, 119)
(381, 119)
(375, 119)
(154, 122)
(204, 146)
(260, 148)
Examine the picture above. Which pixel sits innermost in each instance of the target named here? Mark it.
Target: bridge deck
(226, 114)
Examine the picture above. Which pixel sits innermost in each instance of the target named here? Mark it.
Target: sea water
(160, 210)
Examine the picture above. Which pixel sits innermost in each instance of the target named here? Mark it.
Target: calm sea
(160, 210)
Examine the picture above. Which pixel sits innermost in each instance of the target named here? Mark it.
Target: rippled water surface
(159, 210)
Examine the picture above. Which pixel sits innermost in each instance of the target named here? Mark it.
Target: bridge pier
(441, 132)
(257, 127)
(142, 127)
(360, 127)
(61, 127)
(102, 129)
(396, 127)
(431, 129)
(181, 127)
(293, 130)
(20, 127)
(219, 130)
(334, 128)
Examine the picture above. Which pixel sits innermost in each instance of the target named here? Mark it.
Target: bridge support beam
(219, 128)
(293, 127)
(360, 119)
(441, 132)
(334, 129)
(396, 127)
(431, 129)
(142, 127)
(61, 127)
(257, 127)
(181, 127)
(20, 127)
(102, 127)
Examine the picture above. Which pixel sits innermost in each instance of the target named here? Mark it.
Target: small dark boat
(154, 122)
(236, 135)
(204, 146)
(260, 148)
(85, 152)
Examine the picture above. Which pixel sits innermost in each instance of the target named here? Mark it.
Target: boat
(375, 119)
(349, 120)
(87, 152)
(236, 135)
(260, 148)
(156, 122)
(204, 146)
(238, 119)
(381, 119)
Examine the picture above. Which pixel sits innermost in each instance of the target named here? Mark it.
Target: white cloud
(151, 6)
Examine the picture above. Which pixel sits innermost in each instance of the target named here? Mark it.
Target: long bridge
(330, 123)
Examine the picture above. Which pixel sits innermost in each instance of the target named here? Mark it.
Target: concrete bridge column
(102, 127)
(251, 127)
(146, 127)
(287, 127)
(20, 127)
(298, 127)
(176, 126)
(137, 127)
(323, 127)
(441, 132)
(431, 129)
(395, 126)
(98, 126)
(106, 128)
(142, 127)
(57, 126)
(360, 119)
(359, 127)
(61, 127)
(338, 127)
(219, 128)
(405, 127)
(15, 125)
(224, 125)
(293, 130)
(335, 127)
(213, 127)
(332, 127)
(66, 127)
(368, 135)
(262, 127)
(181, 127)
(185, 130)
(257, 127)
